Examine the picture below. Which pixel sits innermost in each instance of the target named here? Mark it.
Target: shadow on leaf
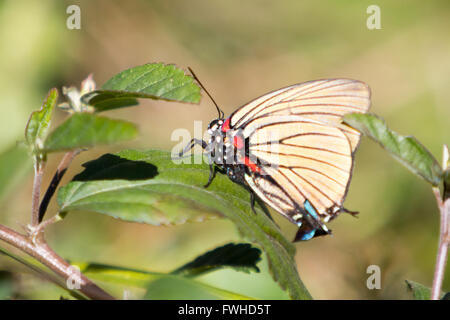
(112, 167)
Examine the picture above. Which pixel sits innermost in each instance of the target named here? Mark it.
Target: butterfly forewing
(322, 100)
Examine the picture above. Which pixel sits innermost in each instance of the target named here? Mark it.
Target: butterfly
(290, 149)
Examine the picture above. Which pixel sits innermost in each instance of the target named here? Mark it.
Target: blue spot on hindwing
(311, 210)
(308, 235)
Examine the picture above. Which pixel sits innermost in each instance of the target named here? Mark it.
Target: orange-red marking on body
(249, 163)
(226, 125)
(238, 142)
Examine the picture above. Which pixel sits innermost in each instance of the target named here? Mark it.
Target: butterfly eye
(214, 125)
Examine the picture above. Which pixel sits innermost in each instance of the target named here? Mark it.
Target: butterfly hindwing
(310, 160)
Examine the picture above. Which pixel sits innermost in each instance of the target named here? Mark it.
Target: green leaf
(39, 122)
(83, 130)
(139, 198)
(15, 163)
(143, 279)
(419, 292)
(109, 100)
(241, 257)
(117, 275)
(406, 149)
(154, 81)
(171, 287)
(176, 194)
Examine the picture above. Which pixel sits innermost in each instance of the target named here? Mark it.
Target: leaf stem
(38, 248)
(38, 173)
(444, 241)
(60, 171)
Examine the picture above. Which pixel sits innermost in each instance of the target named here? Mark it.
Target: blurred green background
(240, 50)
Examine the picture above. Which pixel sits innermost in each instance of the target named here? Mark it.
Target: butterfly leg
(252, 201)
(212, 174)
(191, 144)
(204, 145)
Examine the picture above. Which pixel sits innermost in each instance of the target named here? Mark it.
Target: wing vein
(314, 170)
(296, 146)
(305, 157)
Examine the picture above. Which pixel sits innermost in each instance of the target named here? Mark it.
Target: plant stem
(42, 274)
(39, 249)
(444, 240)
(60, 171)
(34, 243)
(38, 173)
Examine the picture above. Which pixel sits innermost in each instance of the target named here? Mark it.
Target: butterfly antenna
(221, 114)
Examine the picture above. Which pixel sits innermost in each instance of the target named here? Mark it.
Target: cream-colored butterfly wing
(308, 160)
(325, 101)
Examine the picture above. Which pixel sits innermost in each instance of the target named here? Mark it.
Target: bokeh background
(240, 50)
